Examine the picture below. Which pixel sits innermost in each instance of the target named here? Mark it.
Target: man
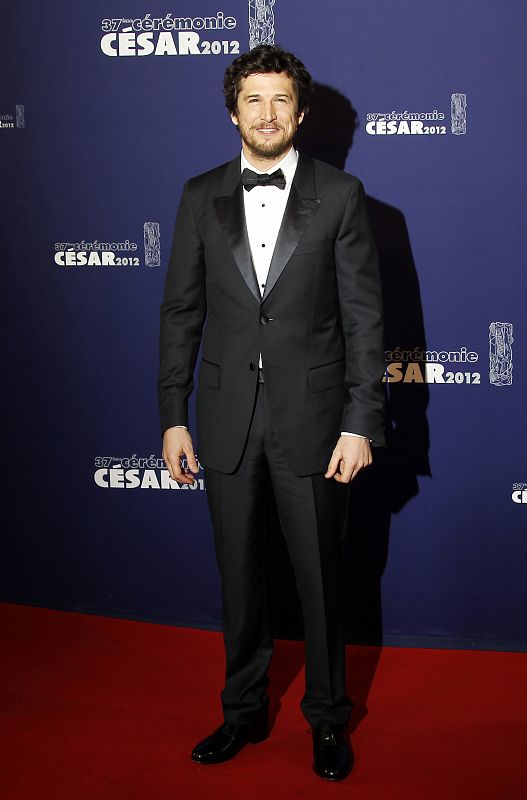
(274, 250)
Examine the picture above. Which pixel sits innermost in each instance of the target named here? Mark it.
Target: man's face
(267, 114)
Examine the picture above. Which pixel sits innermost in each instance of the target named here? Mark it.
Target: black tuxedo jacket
(318, 325)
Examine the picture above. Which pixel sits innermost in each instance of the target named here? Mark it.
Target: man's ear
(301, 115)
(234, 119)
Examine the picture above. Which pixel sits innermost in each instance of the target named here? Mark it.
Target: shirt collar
(287, 164)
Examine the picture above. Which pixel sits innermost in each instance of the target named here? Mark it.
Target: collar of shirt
(287, 164)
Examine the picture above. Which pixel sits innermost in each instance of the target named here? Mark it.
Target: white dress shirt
(264, 209)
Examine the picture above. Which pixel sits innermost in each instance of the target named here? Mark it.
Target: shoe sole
(333, 778)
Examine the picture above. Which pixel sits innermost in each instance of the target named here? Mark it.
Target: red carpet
(103, 708)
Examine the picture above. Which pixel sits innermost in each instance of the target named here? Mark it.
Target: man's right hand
(177, 442)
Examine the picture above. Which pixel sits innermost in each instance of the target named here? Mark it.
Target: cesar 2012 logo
(111, 254)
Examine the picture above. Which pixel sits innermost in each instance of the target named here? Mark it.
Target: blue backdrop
(105, 110)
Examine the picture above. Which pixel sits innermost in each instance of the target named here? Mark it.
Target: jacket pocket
(326, 376)
(314, 246)
(209, 374)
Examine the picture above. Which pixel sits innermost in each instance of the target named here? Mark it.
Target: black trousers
(311, 512)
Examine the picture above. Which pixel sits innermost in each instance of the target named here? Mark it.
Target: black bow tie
(251, 179)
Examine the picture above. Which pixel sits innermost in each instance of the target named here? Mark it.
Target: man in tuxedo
(274, 271)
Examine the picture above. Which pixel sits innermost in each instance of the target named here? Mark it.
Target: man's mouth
(267, 130)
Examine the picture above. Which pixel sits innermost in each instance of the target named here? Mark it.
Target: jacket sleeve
(360, 300)
(183, 312)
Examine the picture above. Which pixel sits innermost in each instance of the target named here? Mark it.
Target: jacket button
(252, 366)
(265, 320)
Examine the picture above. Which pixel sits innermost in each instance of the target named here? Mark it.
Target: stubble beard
(268, 150)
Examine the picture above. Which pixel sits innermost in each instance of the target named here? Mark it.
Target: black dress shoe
(228, 740)
(332, 758)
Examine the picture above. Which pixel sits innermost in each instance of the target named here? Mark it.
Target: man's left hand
(351, 454)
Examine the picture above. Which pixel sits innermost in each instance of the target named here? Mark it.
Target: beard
(271, 148)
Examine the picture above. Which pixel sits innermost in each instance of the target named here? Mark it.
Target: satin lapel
(231, 216)
(301, 206)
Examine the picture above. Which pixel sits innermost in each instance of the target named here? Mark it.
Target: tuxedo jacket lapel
(302, 205)
(231, 216)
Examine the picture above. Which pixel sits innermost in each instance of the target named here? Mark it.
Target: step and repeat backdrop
(106, 108)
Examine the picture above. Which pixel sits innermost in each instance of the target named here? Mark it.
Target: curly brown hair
(266, 58)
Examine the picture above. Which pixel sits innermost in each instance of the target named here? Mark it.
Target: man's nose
(267, 112)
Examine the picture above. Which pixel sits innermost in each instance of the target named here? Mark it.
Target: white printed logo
(20, 117)
(416, 365)
(16, 120)
(111, 254)
(428, 366)
(500, 353)
(139, 473)
(419, 123)
(519, 493)
(168, 36)
(261, 22)
(96, 254)
(458, 113)
(152, 244)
